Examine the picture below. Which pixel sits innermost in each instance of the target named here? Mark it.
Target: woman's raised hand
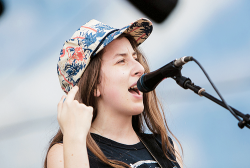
(74, 118)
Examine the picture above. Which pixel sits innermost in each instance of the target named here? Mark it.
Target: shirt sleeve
(158, 140)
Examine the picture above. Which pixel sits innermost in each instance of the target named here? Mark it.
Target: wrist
(75, 137)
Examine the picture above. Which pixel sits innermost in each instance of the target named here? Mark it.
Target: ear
(97, 92)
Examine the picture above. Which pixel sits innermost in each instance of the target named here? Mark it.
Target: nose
(138, 69)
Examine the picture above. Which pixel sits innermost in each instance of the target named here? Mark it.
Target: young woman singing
(104, 116)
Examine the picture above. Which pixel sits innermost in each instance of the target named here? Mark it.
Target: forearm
(75, 152)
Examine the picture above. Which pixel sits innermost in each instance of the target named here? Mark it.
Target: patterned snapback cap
(87, 41)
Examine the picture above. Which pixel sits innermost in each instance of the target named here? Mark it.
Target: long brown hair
(153, 114)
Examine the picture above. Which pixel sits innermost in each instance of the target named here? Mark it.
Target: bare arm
(75, 153)
(178, 156)
(64, 155)
(74, 120)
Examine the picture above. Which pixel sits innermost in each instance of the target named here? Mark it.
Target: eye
(121, 61)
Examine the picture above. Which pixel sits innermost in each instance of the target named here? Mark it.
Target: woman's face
(120, 71)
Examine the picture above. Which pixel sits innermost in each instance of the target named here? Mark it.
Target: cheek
(113, 83)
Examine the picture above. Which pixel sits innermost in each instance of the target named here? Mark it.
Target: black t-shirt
(137, 156)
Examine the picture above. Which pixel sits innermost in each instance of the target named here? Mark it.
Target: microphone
(148, 82)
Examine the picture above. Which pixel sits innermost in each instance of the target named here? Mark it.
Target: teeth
(134, 87)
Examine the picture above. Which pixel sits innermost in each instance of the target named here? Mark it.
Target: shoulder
(158, 139)
(177, 155)
(55, 156)
(151, 138)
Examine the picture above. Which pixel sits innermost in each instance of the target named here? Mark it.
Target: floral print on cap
(87, 41)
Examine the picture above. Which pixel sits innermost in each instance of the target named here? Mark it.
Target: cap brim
(139, 30)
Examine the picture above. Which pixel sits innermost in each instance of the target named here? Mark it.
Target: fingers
(74, 117)
(71, 94)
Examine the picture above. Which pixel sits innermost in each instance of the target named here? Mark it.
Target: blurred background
(215, 32)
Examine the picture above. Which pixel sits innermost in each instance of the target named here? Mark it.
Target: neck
(114, 126)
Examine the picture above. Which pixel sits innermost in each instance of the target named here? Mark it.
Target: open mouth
(134, 90)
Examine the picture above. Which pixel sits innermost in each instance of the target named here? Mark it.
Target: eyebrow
(125, 54)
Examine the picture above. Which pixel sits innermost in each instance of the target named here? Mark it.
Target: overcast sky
(215, 32)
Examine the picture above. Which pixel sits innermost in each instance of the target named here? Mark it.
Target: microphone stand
(186, 83)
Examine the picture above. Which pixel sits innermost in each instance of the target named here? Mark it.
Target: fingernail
(64, 100)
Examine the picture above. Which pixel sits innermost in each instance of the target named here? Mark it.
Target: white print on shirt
(139, 163)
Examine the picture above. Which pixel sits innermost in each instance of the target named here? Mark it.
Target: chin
(137, 110)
